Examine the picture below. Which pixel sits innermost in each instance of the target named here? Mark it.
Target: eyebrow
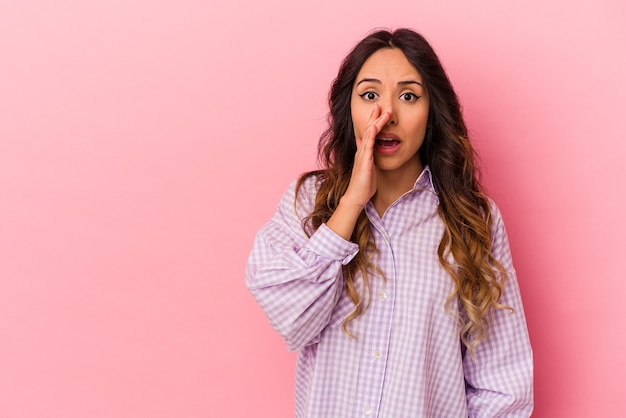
(401, 83)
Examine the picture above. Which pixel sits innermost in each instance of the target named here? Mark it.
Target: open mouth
(387, 143)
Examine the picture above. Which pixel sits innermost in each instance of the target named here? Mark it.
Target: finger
(375, 114)
(377, 125)
(370, 136)
(365, 151)
(359, 141)
(371, 129)
(383, 119)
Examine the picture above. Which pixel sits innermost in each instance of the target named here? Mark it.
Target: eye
(409, 97)
(368, 95)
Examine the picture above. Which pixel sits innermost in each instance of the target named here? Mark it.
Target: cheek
(358, 130)
(419, 123)
(359, 120)
(354, 115)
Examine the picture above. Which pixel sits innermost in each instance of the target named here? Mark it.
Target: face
(388, 79)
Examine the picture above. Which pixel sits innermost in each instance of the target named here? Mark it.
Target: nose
(394, 118)
(386, 104)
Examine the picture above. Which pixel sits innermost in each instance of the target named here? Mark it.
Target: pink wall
(142, 143)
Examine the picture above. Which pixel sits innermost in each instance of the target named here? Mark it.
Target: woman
(389, 270)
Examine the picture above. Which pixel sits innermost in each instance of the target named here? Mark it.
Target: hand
(363, 180)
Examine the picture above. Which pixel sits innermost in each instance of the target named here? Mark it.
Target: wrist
(352, 205)
(344, 218)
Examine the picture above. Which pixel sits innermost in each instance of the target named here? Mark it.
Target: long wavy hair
(465, 247)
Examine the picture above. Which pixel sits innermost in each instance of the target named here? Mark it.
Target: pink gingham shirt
(408, 360)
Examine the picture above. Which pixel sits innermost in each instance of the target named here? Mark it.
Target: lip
(388, 135)
(390, 145)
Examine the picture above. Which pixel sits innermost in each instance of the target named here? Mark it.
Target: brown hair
(463, 207)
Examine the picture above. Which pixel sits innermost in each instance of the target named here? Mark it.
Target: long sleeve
(297, 280)
(500, 377)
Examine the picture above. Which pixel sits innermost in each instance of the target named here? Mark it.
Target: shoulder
(495, 218)
(499, 238)
(299, 198)
(494, 211)
(286, 225)
(306, 186)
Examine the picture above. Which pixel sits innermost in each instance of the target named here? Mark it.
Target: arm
(297, 280)
(500, 377)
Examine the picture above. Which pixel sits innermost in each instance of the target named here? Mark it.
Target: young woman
(389, 270)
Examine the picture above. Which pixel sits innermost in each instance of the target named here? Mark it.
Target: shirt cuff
(326, 243)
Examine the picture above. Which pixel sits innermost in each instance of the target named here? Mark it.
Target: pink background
(143, 143)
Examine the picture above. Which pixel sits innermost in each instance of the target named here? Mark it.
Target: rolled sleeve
(326, 243)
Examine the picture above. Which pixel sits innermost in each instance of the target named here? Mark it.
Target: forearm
(344, 219)
(298, 288)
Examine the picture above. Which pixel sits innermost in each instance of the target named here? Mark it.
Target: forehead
(388, 64)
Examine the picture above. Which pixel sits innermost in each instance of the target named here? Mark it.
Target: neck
(390, 185)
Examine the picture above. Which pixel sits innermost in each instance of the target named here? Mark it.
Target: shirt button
(367, 410)
(376, 354)
(383, 295)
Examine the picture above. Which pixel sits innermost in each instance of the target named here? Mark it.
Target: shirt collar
(425, 181)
